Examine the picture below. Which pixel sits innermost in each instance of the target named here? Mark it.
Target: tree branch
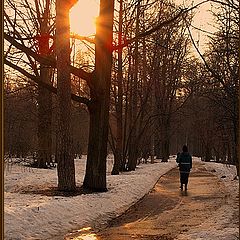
(83, 38)
(152, 30)
(48, 61)
(213, 73)
(45, 85)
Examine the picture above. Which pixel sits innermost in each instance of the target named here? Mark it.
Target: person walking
(184, 160)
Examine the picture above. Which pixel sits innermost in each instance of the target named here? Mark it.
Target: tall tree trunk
(157, 144)
(236, 152)
(44, 97)
(238, 129)
(207, 153)
(65, 159)
(153, 103)
(44, 122)
(118, 159)
(133, 148)
(127, 109)
(166, 140)
(95, 177)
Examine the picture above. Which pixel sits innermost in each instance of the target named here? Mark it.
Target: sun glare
(82, 17)
(85, 234)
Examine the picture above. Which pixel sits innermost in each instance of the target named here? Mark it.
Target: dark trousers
(184, 177)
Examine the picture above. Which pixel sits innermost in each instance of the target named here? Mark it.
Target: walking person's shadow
(184, 193)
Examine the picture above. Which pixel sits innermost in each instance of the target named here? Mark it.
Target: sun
(82, 17)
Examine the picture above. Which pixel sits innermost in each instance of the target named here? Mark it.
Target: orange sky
(82, 17)
(203, 20)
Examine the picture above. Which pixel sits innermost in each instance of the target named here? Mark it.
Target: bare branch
(83, 38)
(213, 73)
(45, 85)
(48, 61)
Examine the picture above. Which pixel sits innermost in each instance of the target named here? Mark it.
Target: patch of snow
(33, 216)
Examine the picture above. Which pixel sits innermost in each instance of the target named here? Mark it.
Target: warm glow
(85, 229)
(86, 237)
(83, 16)
(84, 234)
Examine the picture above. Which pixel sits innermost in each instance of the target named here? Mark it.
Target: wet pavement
(166, 211)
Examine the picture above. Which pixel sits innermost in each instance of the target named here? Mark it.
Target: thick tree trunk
(44, 96)
(165, 149)
(133, 154)
(217, 155)
(95, 177)
(157, 148)
(229, 153)
(65, 159)
(207, 153)
(44, 123)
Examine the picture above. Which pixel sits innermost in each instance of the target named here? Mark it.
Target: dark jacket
(184, 160)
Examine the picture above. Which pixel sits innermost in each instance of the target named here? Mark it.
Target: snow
(34, 216)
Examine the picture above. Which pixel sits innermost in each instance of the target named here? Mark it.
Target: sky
(84, 13)
(203, 19)
(82, 17)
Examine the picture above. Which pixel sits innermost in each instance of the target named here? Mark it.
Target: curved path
(165, 212)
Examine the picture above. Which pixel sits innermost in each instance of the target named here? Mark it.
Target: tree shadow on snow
(54, 191)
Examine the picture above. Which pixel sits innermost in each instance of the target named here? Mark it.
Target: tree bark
(118, 157)
(166, 140)
(44, 122)
(44, 97)
(133, 146)
(236, 136)
(153, 104)
(95, 177)
(65, 160)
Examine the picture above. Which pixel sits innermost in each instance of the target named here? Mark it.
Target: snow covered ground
(34, 216)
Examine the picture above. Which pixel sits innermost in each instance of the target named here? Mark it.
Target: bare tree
(99, 82)
(222, 63)
(33, 27)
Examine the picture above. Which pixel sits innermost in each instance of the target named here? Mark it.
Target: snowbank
(34, 216)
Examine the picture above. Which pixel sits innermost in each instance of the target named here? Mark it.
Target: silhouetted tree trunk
(44, 96)
(236, 149)
(44, 122)
(65, 159)
(118, 157)
(152, 145)
(133, 144)
(95, 177)
(166, 140)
